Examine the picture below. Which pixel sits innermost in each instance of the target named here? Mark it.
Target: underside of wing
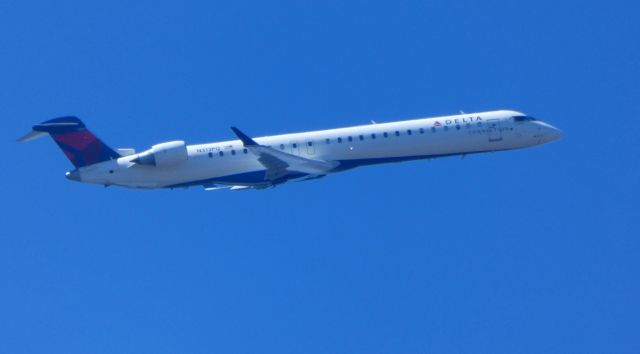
(276, 168)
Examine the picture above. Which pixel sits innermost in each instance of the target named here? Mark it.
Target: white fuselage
(229, 162)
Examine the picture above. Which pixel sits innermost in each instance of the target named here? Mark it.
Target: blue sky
(516, 252)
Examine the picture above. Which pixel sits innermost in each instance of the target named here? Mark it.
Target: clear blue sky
(530, 251)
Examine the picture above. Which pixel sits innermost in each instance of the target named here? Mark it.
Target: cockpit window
(523, 118)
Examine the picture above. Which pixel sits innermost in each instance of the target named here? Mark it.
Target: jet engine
(164, 155)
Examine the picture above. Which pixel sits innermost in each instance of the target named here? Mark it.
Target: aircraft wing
(279, 163)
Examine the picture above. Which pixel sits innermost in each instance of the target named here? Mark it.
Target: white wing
(279, 163)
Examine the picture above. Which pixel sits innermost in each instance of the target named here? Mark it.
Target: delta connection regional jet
(249, 163)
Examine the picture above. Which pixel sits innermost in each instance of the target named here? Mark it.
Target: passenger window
(309, 143)
(244, 150)
(339, 140)
(328, 141)
(433, 129)
(294, 145)
(385, 135)
(373, 136)
(210, 155)
(350, 138)
(446, 128)
(233, 152)
(281, 146)
(361, 137)
(221, 153)
(408, 131)
(397, 133)
(421, 130)
(457, 127)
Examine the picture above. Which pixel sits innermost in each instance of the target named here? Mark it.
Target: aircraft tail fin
(80, 146)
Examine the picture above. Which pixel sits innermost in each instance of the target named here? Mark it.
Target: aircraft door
(495, 133)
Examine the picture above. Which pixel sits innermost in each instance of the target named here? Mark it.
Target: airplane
(264, 162)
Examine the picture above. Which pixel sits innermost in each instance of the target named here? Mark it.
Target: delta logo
(458, 121)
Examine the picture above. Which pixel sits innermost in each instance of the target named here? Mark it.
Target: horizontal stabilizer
(32, 135)
(60, 125)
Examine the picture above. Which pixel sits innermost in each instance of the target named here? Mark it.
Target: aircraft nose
(547, 132)
(554, 133)
(73, 175)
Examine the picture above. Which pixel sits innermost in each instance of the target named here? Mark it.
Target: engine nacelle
(163, 155)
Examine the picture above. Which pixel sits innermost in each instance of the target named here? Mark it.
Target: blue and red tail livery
(80, 146)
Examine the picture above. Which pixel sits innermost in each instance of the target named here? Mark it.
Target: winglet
(246, 140)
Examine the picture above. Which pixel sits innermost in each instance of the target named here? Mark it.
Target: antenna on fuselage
(462, 112)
